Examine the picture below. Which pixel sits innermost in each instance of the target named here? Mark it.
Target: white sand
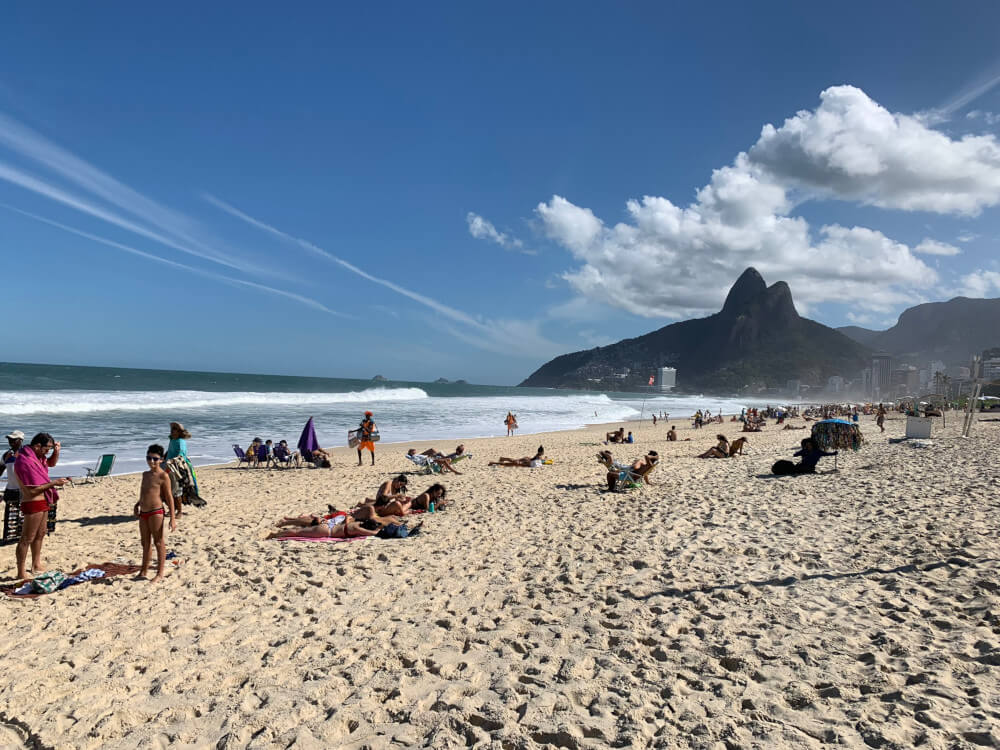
(714, 609)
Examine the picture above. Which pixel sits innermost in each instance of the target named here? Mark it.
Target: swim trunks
(34, 506)
(150, 513)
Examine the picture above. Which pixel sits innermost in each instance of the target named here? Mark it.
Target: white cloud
(511, 337)
(302, 299)
(483, 229)
(667, 260)
(967, 237)
(933, 247)
(990, 118)
(979, 283)
(851, 148)
(149, 218)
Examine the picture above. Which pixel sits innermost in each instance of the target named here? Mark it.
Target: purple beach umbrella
(307, 441)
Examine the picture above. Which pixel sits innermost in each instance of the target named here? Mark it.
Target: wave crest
(84, 402)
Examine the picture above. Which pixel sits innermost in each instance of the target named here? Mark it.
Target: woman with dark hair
(38, 494)
(810, 452)
(433, 494)
(720, 450)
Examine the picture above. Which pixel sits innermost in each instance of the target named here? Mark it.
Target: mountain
(949, 331)
(757, 338)
(863, 336)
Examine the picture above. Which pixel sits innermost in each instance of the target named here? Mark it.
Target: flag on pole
(651, 379)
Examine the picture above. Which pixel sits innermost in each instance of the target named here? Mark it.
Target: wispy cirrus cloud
(100, 196)
(501, 336)
(302, 299)
(483, 229)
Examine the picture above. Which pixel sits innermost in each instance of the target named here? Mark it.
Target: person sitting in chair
(637, 471)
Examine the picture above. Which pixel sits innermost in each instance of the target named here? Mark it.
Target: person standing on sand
(366, 431)
(178, 448)
(12, 492)
(38, 494)
(154, 498)
(511, 421)
(880, 418)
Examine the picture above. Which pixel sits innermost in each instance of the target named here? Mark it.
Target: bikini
(150, 513)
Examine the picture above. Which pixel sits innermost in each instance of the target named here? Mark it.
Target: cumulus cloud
(967, 236)
(933, 247)
(483, 229)
(667, 260)
(990, 118)
(852, 148)
(979, 283)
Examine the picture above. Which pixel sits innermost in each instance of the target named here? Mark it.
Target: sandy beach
(716, 608)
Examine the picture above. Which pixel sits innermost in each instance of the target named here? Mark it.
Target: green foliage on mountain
(757, 338)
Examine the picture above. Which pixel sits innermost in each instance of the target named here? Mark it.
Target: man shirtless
(154, 497)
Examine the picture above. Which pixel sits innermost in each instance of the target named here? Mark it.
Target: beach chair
(263, 456)
(425, 463)
(628, 479)
(103, 468)
(282, 457)
(241, 457)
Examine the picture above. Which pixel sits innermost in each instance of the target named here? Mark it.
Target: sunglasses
(154, 458)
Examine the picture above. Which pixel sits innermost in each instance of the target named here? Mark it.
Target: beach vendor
(366, 432)
(178, 448)
(12, 493)
(511, 421)
(38, 494)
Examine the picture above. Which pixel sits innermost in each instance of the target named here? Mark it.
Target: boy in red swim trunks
(154, 498)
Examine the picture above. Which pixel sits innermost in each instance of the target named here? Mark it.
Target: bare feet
(158, 577)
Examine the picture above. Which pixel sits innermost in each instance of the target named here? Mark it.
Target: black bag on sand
(783, 467)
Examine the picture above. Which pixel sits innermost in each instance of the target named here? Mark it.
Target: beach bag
(394, 531)
(783, 467)
(46, 583)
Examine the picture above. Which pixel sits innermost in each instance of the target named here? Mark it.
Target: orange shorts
(366, 444)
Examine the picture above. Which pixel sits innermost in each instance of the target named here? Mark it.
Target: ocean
(96, 410)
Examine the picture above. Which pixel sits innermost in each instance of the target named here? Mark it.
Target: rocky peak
(748, 289)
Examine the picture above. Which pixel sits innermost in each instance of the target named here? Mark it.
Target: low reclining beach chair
(628, 479)
(242, 458)
(104, 465)
(426, 464)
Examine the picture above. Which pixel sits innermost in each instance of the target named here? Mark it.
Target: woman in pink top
(38, 493)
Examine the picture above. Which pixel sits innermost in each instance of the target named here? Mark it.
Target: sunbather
(433, 494)
(390, 499)
(340, 526)
(440, 459)
(637, 471)
(618, 436)
(719, 450)
(527, 461)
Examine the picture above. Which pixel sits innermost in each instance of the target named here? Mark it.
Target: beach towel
(83, 575)
(182, 474)
(34, 472)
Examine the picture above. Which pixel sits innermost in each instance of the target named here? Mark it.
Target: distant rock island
(380, 379)
(442, 381)
(445, 381)
(757, 340)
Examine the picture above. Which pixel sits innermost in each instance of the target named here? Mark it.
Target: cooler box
(918, 427)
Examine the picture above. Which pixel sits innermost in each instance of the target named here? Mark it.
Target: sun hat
(16, 435)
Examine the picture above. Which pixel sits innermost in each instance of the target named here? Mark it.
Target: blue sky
(466, 191)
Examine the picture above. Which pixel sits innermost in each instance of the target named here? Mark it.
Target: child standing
(154, 498)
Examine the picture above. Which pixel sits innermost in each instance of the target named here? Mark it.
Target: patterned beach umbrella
(307, 441)
(837, 434)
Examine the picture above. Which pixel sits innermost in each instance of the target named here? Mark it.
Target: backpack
(394, 531)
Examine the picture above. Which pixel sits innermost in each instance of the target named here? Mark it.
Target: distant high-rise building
(666, 379)
(881, 375)
(835, 384)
